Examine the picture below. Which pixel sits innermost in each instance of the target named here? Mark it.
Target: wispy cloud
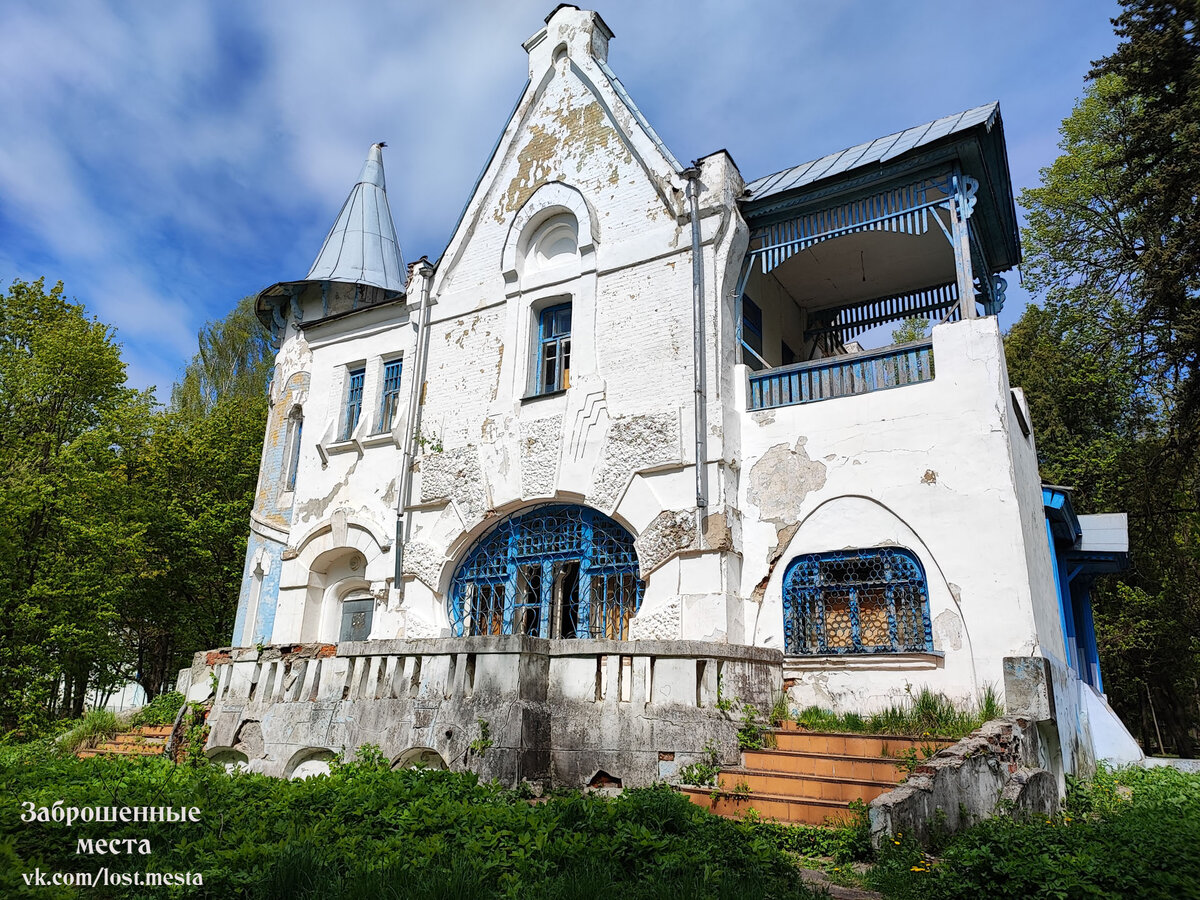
(166, 159)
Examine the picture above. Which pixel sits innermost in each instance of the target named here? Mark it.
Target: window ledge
(530, 397)
(378, 439)
(335, 447)
(854, 662)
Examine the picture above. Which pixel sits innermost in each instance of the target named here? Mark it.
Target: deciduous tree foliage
(1109, 362)
(122, 526)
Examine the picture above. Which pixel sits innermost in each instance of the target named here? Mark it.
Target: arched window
(555, 571)
(856, 601)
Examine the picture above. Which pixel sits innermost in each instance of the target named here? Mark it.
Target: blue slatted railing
(842, 376)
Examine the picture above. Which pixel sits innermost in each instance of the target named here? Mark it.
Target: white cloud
(166, 159)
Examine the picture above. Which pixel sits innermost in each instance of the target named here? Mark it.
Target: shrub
(1128, 833)
(161, 710)
(366, 831)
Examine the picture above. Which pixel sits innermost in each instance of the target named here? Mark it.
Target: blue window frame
(752, 332)
(554, 349)
(354, 394)
(389, 401)
(292, 448)
(856, 601)
(556, 571)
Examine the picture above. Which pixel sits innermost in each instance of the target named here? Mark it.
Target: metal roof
(361, 248)
(880, 150)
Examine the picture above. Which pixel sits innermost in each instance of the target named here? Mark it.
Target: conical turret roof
(361, 248)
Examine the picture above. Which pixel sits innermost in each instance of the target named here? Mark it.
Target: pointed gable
(575, 124)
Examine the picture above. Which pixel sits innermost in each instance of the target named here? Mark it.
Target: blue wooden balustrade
(842, 376)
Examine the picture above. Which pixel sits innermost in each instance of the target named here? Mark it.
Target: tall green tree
(1152, 83)
(234, 360)
(70, 536)
(1108, 362)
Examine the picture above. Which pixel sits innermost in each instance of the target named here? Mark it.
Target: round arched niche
(229, 759)
(420, 758)
(309, 763)
(543, 226)
(553, 243)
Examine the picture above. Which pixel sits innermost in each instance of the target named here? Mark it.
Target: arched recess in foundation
(307, 763)
(420, 758)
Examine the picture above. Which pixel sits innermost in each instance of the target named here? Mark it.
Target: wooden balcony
(842, 376)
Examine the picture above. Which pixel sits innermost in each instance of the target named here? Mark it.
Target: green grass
(96, 727)
(1129, 833)
(926, 714)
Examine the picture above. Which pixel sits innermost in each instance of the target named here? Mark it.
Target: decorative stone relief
(540, 442)
(423, 562)
(633, 443)
(670, 532)
(661, 624)
(455, 475)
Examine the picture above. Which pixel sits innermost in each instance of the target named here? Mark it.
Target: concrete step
(789, 810)
(801, 787)
(870, 768)
(830, 743)
(115, 749)
(155, 731)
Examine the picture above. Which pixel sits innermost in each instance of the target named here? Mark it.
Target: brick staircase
(809, 777)
(146, 740)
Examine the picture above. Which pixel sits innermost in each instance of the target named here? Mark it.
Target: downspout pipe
(412, 423)
(692, 175)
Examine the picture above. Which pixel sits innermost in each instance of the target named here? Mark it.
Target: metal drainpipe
(701, 408)
(413, 421)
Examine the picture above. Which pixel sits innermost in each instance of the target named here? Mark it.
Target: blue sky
(166, 159)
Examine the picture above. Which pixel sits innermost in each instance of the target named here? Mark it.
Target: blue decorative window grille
(554, 349)
(856, 601)
(292, 448)
(354, 393)
(390, 399)
(554, 572)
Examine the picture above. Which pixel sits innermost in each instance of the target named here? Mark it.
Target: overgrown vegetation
(702, 773)
(365, 831)
(1129, 833)
(160, 711)
(927, 714)
(96, 727)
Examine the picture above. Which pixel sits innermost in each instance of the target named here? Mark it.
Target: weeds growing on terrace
(926, 714)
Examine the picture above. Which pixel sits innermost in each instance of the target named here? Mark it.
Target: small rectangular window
(354, 394)
(554, 349)
(752, 333)
(292, 449)
(390, 399)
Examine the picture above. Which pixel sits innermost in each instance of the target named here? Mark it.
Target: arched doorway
(557, 571)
